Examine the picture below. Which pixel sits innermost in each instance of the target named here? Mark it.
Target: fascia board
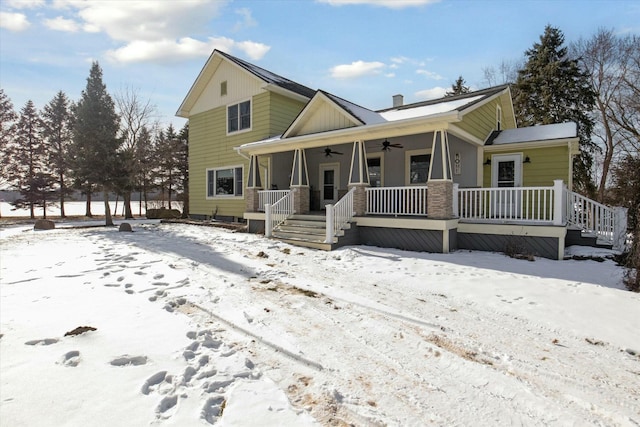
(340, 136)
(284, 92)
(533, 144)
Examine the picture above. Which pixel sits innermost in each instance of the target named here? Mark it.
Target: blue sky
(362, 50)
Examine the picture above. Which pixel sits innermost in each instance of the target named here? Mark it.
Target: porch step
(309, 231)
(579, 238)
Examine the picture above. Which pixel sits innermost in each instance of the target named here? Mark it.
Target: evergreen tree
(95, 142)
(167, 155)
(27, 157)
(551, 88)
(7, 132)
(458, 88)
(145, 155)
(56, 125)
(183, 167)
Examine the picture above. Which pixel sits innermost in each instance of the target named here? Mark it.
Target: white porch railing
(397, 200)
(609, 225)
(269, 197)
(338, 215)
(522, 204)
(276, 213)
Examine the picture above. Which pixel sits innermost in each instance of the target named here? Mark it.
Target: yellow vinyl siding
(547, 164)
(211, 147)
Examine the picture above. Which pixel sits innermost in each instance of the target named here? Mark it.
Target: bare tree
(606, 59)
(505, 73)
(135, 116)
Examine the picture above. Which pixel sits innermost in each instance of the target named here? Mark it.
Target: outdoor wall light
(487, 162)
(526, 160)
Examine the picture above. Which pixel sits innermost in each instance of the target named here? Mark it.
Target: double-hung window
(417, 166)
(224, 182)
(239, 117)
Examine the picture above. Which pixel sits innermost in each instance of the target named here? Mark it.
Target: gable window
(223, 88)
(498, 117)
(224, 182)
(417, 166)
(239, 117)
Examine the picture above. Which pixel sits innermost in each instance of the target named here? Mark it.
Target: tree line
(96, 144)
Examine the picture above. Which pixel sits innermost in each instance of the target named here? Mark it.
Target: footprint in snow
(152, 381)
(45, 341)
(71, 358)
(212, 409)
(127, 360)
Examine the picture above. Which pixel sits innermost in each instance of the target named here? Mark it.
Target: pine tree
(145, 154)
(28, 157)
(183, 167)
(551, 88)
(7, 132)
(458, 88)
(95, 145)
(56, 125)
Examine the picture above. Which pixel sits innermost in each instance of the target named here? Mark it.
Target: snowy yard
(198, 326)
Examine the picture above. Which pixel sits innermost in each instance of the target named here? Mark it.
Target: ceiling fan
(386, 145)
(328, 152)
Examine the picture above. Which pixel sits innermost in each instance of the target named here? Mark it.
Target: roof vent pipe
(398, 100)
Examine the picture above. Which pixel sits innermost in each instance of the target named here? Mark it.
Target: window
(224, 182)
(498, 117)
(374, 165)
(223, 88)
(239, 117)
(417, 167)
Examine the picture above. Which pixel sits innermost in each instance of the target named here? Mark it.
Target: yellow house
(315, 169)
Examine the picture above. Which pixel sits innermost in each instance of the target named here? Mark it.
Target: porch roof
(534, 133)
(420, 117)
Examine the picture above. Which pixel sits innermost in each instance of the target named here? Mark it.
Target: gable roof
(270, 79)
(534, 133)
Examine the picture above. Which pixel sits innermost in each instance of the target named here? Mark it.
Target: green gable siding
(482, 121)
(211, 147)
(546, 165)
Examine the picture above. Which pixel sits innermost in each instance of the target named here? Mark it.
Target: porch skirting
(444, 236)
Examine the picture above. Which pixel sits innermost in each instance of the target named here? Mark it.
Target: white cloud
(168, 50)
(392, 4)
(399, 59)
(433, 93)
(24, 4)
(14, 21)
(429, 74)
(62, 24)
(390, 75)
(356, 69)
(247, 19)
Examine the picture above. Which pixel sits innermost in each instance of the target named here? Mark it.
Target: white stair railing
(397, 200)
(592, 217)
(277, 213)
(269, 197)
(338, 215)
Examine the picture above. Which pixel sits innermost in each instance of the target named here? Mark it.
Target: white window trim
(381, 157)
(498, 117)
(407, 165)
(224, 196)
(226, 114)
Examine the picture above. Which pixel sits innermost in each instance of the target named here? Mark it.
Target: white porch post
(439, 182)
(558, 202)
(359, 177)
(300, 182)
(267, 220)
(619, 228)
(329, 224)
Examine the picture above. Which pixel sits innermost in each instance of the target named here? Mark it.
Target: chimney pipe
(398, 100)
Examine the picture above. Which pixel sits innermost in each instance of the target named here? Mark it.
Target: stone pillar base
(252, 200)
(301, 199)
(359, 198)
(440, 199)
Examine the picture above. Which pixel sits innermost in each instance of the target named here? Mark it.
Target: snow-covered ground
(199, 326)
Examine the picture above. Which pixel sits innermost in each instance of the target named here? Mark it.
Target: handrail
(339, 214)
(591, 216)
(269, 197)
(397, 200)
(277, 213)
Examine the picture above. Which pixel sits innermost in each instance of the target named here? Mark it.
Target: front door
(506, 172)
(329, 181)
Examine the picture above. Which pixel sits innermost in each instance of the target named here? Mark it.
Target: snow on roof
(536, 133)
(427, 110)
(366, 116)
(270, 77)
